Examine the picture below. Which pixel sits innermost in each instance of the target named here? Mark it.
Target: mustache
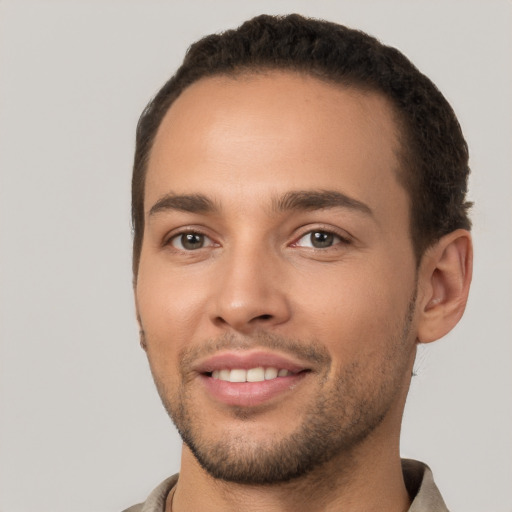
(310, 351)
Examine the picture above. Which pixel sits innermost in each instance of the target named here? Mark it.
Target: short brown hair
(434, 154)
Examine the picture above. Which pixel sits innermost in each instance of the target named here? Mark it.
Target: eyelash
(341, 239)
(176, 236)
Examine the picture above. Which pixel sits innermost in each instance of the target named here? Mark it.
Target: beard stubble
(340, 418)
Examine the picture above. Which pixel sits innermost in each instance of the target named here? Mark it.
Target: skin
(362, 302)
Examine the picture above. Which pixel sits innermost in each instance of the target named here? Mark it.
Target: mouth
(244, 379)
(258, 374)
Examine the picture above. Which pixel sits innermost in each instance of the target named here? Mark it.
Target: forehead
(275, 130)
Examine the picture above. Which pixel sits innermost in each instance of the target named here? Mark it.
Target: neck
(369, 480)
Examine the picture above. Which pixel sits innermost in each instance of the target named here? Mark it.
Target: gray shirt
(418, 479)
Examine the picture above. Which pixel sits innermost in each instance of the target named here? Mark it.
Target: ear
(444, 279)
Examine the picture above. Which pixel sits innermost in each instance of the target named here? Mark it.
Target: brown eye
(189, 241)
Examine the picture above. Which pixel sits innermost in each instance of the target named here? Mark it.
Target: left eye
(319, 240)
(190, 241)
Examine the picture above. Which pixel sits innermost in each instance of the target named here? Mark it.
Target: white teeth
(270, 373)
(258, 374)
(238, 376)
(224, 375)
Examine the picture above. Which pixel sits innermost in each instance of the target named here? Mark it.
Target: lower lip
(248, 394)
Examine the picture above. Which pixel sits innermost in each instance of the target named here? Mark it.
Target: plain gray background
(82, 428)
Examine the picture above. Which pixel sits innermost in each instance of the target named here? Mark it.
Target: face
(277, 277)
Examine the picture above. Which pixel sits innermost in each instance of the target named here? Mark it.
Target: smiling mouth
(258, 374)
(250, 379)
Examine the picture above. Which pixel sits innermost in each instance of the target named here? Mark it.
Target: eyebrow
(192, 203)
(301, 200)
(317, 200)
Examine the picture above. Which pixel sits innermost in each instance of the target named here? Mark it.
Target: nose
(250, 292)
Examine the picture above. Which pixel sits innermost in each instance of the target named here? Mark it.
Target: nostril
(264, 317)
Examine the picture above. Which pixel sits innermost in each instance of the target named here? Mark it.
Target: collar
(418, 480)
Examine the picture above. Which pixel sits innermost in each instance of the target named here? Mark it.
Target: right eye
(190, 241)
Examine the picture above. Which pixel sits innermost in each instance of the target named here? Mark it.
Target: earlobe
(445, 275)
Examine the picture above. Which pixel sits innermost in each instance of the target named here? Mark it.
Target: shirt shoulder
(156, 500)
(422, 489)
(134, 508)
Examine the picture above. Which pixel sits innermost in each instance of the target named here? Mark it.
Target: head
(299, 215)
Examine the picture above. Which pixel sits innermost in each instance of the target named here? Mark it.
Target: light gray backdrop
(82, 428)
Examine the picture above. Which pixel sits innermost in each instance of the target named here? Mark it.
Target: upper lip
(245, 360)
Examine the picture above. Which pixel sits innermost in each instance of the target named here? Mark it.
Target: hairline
(404, 154)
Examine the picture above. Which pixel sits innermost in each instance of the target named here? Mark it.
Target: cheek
(169, 308)
(358, 310)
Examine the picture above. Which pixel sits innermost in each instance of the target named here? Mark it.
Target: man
(300, 225)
